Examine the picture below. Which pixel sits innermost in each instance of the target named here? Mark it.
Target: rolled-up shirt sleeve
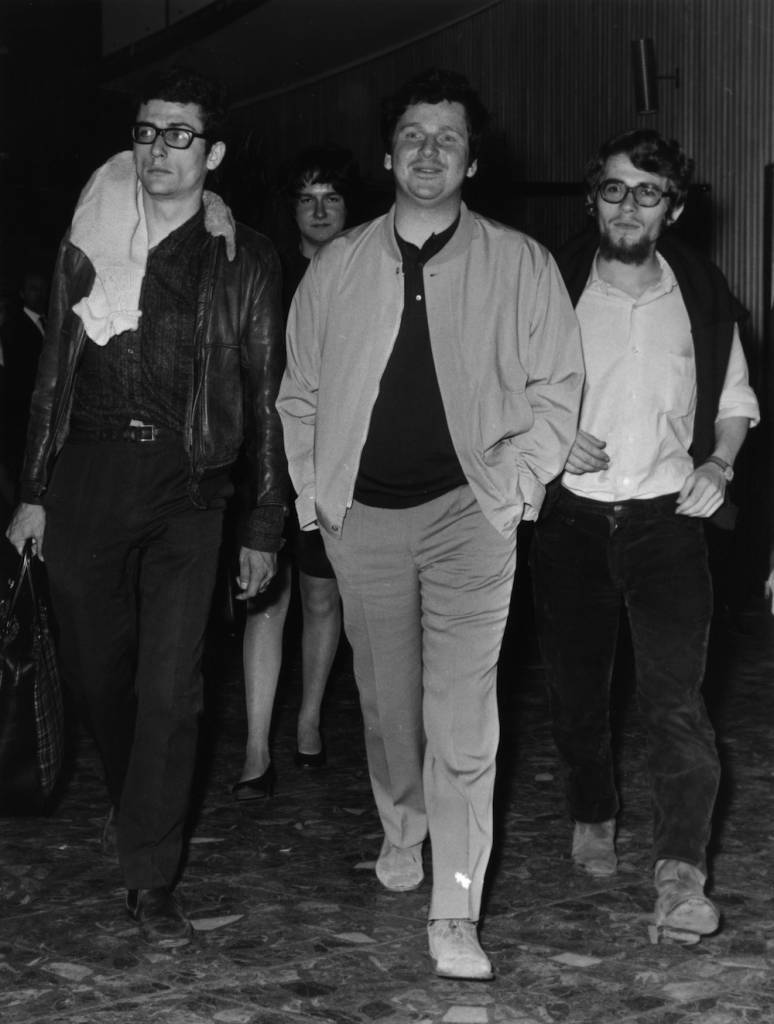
(737, 397)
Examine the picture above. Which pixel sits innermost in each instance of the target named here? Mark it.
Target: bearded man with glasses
(163, 357)
(666, 407)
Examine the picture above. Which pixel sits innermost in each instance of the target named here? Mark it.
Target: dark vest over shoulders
(712, 310)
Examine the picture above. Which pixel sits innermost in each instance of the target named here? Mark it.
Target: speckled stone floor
(291, 925)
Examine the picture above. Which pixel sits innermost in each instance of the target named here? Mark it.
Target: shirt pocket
(677, 384)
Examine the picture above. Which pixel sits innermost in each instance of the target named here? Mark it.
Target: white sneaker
(455, 951)
(400, 868)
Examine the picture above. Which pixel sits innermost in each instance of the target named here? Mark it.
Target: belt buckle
(146, 433)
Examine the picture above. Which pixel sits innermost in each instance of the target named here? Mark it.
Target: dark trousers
(589, 559)
(131, 563)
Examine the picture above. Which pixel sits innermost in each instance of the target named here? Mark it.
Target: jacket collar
(457, 244)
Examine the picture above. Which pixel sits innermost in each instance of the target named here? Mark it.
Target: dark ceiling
(64, 105)
(258, 47)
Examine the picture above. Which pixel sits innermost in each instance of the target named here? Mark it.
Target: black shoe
(258, 788)
(303, 760)
(159, 916)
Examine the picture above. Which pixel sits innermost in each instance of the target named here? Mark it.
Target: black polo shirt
(408, 457)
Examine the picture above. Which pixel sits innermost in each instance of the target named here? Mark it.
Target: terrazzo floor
(292, 926)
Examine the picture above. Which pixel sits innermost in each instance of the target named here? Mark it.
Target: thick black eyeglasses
(614, 191)
(176, 138)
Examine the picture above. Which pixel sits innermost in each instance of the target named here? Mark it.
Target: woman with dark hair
(319, 186)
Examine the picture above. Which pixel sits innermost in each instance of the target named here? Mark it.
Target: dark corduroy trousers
(590, 561)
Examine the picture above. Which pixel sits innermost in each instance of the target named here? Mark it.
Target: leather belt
(145, 433)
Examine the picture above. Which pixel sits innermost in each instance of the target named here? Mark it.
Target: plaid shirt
(147, 374)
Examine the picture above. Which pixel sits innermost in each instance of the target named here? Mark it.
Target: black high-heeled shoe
(303, 760)
(259, 788)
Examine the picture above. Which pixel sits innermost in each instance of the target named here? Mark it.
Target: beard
(625, 252)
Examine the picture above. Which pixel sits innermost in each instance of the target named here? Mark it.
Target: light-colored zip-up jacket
(506, 347)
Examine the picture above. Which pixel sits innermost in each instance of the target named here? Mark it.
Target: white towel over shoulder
(109, 227)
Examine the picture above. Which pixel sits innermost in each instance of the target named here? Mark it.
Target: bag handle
(25, 571)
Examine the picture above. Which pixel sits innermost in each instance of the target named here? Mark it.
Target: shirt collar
(431, 247)
(179, 239)
(665, 284)
(36, 318)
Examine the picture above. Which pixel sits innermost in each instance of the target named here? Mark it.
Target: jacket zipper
(364, 436)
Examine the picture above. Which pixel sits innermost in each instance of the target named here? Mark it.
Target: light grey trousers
(426, 592)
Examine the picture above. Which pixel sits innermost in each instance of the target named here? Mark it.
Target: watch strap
(728, 471)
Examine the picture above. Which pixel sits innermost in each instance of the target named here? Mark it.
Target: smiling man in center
(432, 389)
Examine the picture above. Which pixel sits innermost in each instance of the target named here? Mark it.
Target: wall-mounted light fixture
(645, 77)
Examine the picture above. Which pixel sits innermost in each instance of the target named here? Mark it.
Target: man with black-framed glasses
(163, 357)
(666, 407)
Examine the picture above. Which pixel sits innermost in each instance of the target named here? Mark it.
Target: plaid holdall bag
(31, 711)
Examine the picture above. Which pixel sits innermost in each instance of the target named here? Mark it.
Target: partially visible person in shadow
(6, 488)
(319, 187)
(23, 331)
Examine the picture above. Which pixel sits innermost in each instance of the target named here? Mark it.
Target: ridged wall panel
(557, 76)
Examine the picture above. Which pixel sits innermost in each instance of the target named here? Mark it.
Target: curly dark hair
(649, 151)
(434, 86)
(183, 85)
(321, 165)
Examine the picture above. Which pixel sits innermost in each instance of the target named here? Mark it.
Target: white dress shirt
(640, 390)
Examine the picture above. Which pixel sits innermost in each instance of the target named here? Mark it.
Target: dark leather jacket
(239, 359)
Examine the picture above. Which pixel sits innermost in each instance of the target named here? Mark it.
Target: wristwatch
(728, 469)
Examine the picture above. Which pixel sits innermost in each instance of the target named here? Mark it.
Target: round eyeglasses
(614, 191)
(176, 138)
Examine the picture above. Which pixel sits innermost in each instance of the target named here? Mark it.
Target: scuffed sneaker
(400, 869)
(455, 950)
(681, 905)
